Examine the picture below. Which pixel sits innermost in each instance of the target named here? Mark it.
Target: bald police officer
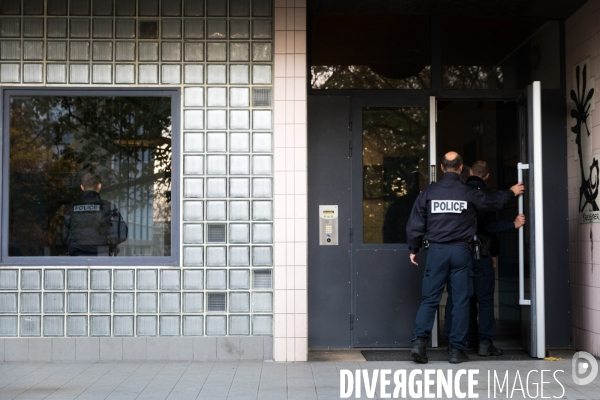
(95, 225)
(445, 214)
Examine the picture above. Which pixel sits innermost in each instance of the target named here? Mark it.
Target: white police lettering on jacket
(440, 220)
(86, 207)
(448, 206)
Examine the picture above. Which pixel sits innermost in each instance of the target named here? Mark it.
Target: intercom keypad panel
(328, 225)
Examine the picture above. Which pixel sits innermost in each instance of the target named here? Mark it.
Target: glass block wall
(219, 53)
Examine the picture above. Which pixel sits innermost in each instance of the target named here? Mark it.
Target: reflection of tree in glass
(394, 147)
(55, 140)
(389, 132)
(472, 77)
(363, 77)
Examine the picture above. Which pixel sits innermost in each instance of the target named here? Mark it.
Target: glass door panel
(394, 166)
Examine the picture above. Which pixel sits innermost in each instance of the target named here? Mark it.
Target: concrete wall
(136, 348)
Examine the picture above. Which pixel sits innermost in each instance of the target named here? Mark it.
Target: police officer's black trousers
(473, 331)
(484, 284)
(446, 263)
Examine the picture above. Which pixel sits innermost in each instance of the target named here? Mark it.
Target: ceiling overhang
(543, 9)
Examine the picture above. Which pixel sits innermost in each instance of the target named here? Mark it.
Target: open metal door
(390, 166)
(531, 238)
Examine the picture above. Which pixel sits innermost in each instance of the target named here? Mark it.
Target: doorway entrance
(489, 131)
(370, 157)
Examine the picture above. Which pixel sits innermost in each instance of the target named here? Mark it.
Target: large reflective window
(89, 176)
(499, 53)
(370, 52)
(394, 169)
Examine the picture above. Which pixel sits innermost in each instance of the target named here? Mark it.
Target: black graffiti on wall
(582, 98)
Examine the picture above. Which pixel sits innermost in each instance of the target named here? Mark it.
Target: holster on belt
(476, 248)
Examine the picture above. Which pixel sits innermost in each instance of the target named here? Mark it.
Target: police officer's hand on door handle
(518, 189)
(519, 221)
(413, 258)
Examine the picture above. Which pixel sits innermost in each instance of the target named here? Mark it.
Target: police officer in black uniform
(95, 226)
(484, 279)
(445, 214)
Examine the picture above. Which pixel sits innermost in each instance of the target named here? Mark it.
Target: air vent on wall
(262, 279)
(216, 302)
(261, 97)
(216, 233)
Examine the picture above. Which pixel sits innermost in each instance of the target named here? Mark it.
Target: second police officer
(481, 334)
(445, 214)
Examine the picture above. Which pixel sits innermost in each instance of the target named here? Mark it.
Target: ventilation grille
(261, 97)
(216, 302)
(216, 233)
(262, 279)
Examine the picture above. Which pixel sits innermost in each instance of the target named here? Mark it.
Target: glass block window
(214, 61)
(153, 301)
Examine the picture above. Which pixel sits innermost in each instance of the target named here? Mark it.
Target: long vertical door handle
(522, 300)
(432, 138)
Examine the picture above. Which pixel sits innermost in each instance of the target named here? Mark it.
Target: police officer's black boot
(457, 356)
(487, 348)
(418, 351)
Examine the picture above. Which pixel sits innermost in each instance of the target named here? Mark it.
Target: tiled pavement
(242, 379)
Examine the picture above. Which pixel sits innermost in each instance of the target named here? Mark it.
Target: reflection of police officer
(445, 214)
(484, 279)
(95, 226)
(396, 216)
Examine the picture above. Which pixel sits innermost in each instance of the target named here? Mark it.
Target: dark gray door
(368, 156)
(329, 184)
(389, 168)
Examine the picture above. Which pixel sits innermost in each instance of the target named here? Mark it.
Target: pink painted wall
(583, 45)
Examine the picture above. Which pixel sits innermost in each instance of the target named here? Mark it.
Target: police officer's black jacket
(94, 223)
(446, 212)
(488, 223)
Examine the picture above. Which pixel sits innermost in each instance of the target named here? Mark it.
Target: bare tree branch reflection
(364, 77)
(472, 77)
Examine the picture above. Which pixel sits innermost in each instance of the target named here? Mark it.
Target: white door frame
(538, 311)
(433, 178)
